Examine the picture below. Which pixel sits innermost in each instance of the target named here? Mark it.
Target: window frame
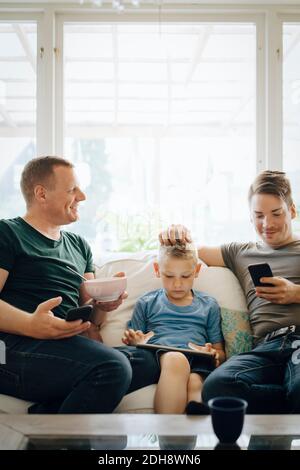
(285, 18)
(268, 18)
(40, 79)
(170, 17)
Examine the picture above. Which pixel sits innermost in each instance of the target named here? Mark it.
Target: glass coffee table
(142, 432)
(154, 442)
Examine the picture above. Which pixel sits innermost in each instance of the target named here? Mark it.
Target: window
(291, 108)
(160, 120)
(18, 51)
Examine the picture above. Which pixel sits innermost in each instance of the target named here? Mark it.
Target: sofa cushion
(12, 405)
(140, 279)
(139, 401)
(236, 331)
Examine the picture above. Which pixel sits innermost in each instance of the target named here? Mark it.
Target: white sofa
(218, 282)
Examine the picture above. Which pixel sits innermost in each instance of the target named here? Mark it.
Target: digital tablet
(207, 357)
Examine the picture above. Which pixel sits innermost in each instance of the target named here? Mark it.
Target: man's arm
(12, 320)
(3, 278)
(212, 256)
(41, 324)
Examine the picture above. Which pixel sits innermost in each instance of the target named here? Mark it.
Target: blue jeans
(73, 375)
(268, 377)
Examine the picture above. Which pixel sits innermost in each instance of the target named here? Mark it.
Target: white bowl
(106, 289)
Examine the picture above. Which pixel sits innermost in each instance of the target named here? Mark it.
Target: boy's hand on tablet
(207, 348)
(132, 337)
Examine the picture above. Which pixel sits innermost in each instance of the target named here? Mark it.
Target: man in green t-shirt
(268, 377)
(77, 373)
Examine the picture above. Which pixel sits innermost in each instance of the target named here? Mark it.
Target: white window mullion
(274, 91)
(45, 84)
(59, 88)
(261, 99)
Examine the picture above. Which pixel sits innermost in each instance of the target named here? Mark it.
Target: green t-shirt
(37, 266)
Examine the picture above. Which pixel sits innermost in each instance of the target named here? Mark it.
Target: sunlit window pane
(161, 121)
(17, 110)
(291, 109)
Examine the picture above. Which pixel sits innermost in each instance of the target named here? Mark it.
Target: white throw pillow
(140, 279)
(223, 285)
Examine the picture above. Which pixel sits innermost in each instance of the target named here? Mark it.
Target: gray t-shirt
(284, 262)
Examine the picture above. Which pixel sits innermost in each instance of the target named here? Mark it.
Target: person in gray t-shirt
(268, 377)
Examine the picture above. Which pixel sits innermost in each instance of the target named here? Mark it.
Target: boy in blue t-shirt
(178, 316)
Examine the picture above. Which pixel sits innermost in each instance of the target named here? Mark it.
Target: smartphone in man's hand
(80, 313)
(257, 271)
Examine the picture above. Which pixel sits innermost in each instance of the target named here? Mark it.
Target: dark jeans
(73, 375)
(268, 377)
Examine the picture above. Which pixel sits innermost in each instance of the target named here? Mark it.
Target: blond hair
(186, 252)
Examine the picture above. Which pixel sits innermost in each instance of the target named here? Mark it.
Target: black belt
(287, 330)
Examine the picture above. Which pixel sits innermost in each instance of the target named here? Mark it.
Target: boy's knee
(195, 382)
(175, 362)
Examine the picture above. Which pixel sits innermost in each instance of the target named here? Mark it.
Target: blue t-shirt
(199, 322)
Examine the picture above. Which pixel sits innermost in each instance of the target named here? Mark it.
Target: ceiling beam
(26, 45)
(197, 57)
(6, 116)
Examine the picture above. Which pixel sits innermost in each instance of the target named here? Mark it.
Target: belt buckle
(292, 329)
(284, 331)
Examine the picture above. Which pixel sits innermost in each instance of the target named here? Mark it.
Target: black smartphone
(260, 270)
(79, 313)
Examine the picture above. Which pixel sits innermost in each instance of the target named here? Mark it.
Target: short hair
(186, 251)
(272, 182)
(39, 171)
